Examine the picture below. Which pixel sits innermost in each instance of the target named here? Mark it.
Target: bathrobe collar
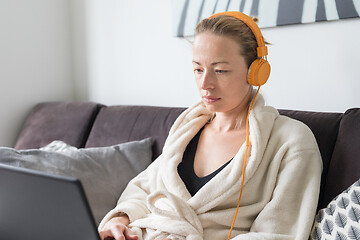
(228, 181)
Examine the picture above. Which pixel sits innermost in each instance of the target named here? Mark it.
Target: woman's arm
(290, 212)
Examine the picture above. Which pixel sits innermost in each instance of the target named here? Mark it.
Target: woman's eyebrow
(220, 62)
(214, 63)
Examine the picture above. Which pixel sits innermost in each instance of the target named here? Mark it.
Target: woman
(191, 191)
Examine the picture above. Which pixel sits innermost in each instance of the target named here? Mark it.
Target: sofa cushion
(118, 124)
(345, 163)
(104, 172)
(325, 128)
(69, 122)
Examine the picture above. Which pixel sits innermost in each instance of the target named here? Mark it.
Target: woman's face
(220, 73)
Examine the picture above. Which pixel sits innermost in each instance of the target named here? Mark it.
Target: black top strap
(186, 170)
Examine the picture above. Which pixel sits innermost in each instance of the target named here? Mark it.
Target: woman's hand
(117, 229)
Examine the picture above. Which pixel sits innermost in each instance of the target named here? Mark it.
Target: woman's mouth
(209, 99)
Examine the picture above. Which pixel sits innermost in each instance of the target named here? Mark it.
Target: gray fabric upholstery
(344, 168)
(118, 124)
(70, 122)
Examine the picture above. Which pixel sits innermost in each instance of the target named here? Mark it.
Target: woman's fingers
(117, 231)
(105, 235)
(129, 235)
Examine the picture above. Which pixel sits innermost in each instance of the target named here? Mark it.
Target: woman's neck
(224, 122)
(234, 120)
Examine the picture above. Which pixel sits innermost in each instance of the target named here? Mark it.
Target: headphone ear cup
(259, 72)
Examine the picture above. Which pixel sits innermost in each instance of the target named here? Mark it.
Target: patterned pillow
(341, 219)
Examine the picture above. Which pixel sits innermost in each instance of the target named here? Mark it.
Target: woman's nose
(207, 81)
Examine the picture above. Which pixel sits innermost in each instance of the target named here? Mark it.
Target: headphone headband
(262, 49)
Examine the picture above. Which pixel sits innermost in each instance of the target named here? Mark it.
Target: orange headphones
(259, 69)
(258, 74)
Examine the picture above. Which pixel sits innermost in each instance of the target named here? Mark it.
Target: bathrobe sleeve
(290, 212)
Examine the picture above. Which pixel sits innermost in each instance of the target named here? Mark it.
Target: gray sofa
(89, 124)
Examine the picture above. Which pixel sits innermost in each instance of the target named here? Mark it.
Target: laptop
(38, 206)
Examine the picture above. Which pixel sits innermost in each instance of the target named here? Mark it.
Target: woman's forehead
(209, 47)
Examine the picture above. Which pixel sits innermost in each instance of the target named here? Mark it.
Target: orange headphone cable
(244, 164)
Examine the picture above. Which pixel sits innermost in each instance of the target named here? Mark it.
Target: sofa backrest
(70, 122)
(344, 168)
(96, 125)
(119, 124)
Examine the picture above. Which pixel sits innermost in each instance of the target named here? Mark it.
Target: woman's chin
(211, 107)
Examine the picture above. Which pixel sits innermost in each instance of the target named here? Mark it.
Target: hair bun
(254, 18)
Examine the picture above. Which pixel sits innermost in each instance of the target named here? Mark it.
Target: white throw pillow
(58, 146)
(104, 172)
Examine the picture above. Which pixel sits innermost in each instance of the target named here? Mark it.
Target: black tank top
(186, 170)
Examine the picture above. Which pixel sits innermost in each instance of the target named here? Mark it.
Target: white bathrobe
(282, 181)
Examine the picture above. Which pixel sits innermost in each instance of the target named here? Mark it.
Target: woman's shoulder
(294, 132)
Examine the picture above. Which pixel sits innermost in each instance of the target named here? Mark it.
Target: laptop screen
(36, 205)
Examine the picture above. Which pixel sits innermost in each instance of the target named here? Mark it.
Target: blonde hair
(234, 28)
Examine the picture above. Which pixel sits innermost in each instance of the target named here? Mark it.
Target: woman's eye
(221, 71)
(197, 70)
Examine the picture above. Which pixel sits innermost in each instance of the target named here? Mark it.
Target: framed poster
(270, 13)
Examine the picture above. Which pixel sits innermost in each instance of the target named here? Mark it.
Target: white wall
(35, 59)
(123, 52)
(315, 66)
(135, 60)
